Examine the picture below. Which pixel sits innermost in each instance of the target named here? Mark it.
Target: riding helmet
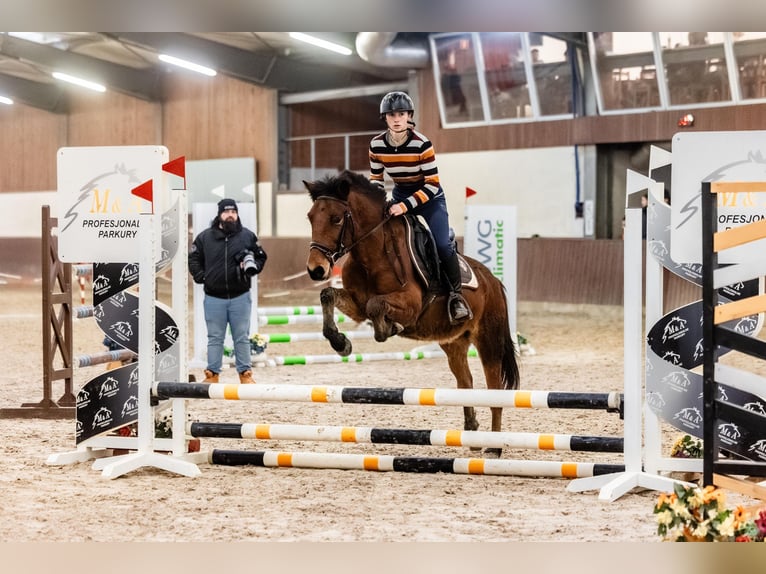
(396, 102)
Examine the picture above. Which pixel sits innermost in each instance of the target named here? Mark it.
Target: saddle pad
(422, 250)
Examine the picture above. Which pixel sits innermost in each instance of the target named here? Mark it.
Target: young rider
(408, 157)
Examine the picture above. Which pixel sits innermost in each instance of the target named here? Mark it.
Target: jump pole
(287, 310)
(266, 320)
(358, 357)
(392, 396)
(388, 463)
(105, 357)
(369, 435)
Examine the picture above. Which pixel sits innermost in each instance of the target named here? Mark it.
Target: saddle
(425, 259)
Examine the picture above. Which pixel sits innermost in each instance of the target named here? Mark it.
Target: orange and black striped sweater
(412, 167)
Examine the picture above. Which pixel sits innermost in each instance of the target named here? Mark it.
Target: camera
(249, 266)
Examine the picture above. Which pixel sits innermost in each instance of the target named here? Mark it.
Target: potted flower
(258, 344)
(694, 514)
(163, 428)
(686, 447)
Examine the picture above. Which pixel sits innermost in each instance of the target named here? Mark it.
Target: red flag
(145, 191)
(469, 192)
(176, 166)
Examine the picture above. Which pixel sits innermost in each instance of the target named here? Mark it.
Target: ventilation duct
(378, 48)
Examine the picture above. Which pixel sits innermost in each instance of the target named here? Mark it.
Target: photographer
(223, 258)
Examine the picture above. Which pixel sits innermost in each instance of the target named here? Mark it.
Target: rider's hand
(396, 209)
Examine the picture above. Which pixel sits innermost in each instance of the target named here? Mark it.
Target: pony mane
(339, 186)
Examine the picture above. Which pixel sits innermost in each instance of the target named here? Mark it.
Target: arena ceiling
(128, 62)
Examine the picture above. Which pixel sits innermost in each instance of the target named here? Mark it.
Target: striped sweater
(412, 167)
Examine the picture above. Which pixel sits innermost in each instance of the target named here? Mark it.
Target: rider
(409, 159)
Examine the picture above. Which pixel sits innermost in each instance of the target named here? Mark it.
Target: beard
(229, 226)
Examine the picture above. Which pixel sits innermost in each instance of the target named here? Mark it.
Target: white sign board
(98, 216)
(714, 156)
(490, 238)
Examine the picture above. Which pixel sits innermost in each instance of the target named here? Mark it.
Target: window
(626, 72)
(553, 76)
(695, 67)
(497, 77)
(505, 75)
(750, 53)
(459, 81)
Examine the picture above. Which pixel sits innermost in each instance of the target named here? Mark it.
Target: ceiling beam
(47, 97)
(139, 83)
(270, 70)
(228, 59)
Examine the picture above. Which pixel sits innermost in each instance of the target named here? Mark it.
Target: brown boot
(246, 378)
(210, 376)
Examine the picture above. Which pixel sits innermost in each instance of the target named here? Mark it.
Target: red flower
(743, 538)
(760, 522)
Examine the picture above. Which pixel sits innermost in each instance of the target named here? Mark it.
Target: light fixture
(188, 65)
(79, 82)
(4, 100)
(332, 46)
(686, 121)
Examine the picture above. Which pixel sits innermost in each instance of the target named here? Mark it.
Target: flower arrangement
(525, 348)
(686, 447)
(694, 514)
(163, 423)
(258, 343)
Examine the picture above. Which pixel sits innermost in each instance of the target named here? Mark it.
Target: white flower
(665, 517)
(726, 528)
(701, 530)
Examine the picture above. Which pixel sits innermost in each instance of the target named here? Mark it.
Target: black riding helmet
(396, 102)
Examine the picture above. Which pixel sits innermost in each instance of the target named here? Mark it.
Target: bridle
(333, 255)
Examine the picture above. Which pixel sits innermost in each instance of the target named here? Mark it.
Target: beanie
(225, 204)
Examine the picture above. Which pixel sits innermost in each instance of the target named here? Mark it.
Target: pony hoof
(344, 350)
(341, 345)
(493, 452)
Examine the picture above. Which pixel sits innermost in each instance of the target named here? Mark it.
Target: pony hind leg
(329, 298)
(498, 360)
(457, 359)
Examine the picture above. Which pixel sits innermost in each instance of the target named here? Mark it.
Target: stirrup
(462, 312)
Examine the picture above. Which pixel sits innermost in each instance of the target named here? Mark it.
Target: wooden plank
(740, 485)
(737, 186)
(738, 309)
(739, 235)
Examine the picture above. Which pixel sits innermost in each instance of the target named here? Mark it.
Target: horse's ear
(344, 186)
(310, 185)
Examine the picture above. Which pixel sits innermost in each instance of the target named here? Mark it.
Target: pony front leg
(338, 341)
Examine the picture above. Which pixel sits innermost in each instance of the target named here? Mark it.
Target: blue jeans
(235, 313)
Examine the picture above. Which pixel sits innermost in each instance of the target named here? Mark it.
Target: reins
(340, 249)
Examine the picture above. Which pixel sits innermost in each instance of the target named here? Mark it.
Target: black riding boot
(457, 307)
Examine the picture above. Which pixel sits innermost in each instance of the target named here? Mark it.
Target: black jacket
(214, 260)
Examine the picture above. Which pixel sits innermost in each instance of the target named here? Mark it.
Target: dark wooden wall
(571, 271)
